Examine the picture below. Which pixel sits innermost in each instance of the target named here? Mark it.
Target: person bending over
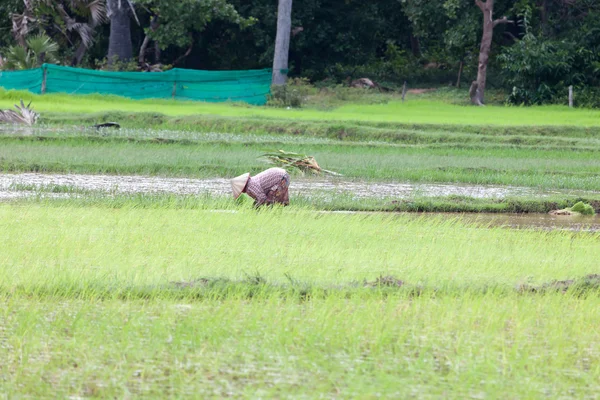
(268, 187)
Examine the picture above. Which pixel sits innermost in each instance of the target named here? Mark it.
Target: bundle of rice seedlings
(24, 115)
(301, 162)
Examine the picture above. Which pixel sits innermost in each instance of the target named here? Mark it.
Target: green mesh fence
(213, 86)
(30, 79)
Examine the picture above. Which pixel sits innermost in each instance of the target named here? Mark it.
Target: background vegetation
(550, 45)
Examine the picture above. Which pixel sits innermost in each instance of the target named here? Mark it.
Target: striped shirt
(260, 185)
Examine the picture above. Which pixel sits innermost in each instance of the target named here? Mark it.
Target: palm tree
(38, 50)
(77, 20)
(119, 42)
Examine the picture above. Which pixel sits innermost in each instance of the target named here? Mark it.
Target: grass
(89, 310)
(415, 111)
(520, 347)
(57, 195)
(65, 246)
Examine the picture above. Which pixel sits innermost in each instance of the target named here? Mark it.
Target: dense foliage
(552, 44)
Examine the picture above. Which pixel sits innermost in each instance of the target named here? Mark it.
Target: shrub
(292, 94)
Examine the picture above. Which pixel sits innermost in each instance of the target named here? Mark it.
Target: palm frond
(84, 31)
(22, 24)
(43, 48)
(18, 57)
(42, 44)
(97, 10)
(24, 115)
(93, 10)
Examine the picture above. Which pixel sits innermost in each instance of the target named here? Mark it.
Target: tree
(539, 68)
(178, 23)
(120, 47)
(282, 42)
(477, 91)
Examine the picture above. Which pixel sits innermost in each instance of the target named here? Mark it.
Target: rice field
(110, 293)
(104, 302)
(387, 109)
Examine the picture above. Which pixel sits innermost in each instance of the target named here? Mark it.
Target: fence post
(45, 73)
(174, 92)
(403, 91)
(571, 96)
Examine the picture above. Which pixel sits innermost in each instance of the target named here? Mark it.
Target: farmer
(268, 187)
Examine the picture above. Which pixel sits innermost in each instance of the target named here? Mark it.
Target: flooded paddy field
(218, 186)
(73, 186)
(425, 157)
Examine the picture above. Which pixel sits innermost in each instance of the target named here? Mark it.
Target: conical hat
(239, 183)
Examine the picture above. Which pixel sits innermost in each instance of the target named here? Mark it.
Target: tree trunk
(489, 23)
(484, 49)
(460, 69)
(119, 43)
(282, 42)
(415, 45)
(544, 17)
(142, 56)
(187, 52)
(156, 52)
(79, 54)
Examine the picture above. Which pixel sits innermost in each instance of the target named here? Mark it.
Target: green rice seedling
(171, 301)
(64, 246)
(302, 162)
(575, 170)
(583, 208)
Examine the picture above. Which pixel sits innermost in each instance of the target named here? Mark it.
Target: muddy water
(219, 186)
(306, 187)
(538, 221)
(508, 220)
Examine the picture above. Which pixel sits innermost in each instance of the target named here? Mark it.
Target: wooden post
(403, 91)
(571, 96)
(45, 71)
(174, 92)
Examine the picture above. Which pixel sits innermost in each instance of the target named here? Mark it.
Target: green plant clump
(293, 94)
(583, 208)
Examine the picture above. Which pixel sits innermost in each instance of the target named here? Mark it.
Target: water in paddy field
(10, 183)
(220, 186)
(582, 223)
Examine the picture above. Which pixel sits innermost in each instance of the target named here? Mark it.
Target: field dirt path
(12, 185)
